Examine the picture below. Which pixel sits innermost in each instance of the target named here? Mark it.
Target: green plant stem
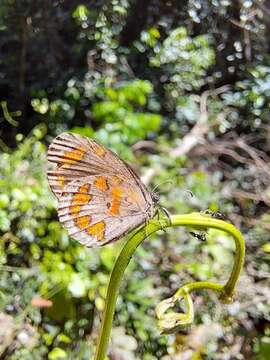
(196, 220)
(114, 283)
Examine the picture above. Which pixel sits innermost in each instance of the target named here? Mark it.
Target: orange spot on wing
(83, 221)
(73, 156)
(101, 183)
(116, 194)
(61, 181)
(80, 198)
(114, 208)
(74, 209)
(85, 188)
(97, 230)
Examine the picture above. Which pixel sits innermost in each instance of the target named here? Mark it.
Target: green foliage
(186, 59)
(251, 96)
(119, 118)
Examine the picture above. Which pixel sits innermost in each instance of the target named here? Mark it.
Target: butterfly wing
(74, 156)
(100, 198)
(100, 209)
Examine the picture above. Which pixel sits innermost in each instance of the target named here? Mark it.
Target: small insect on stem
(214, 214)
(199, 236)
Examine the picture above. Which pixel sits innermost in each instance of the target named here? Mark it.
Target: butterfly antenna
(163, 182)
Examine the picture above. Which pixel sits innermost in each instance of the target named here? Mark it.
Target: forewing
(73, 157)
(99, 209)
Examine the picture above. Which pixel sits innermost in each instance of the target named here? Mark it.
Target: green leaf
(80, 13)
(57, 353)
(266, 247)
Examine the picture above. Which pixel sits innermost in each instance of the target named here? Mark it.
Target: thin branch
(253, 154)
(247, 195)
(200, 129)
(249, 156)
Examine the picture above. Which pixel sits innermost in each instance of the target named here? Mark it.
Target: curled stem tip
(169, 320)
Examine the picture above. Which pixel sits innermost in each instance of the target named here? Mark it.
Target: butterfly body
(100, 198)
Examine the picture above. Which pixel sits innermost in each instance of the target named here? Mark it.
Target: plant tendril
(169, 321)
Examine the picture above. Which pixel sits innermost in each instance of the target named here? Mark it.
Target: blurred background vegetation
(181, 90)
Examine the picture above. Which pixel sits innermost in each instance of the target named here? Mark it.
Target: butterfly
(100, 198)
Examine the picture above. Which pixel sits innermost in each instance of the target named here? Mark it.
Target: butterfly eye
(155, 197)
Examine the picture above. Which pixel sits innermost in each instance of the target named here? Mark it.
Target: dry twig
(201, 128)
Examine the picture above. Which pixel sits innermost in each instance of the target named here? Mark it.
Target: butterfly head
(155, 197)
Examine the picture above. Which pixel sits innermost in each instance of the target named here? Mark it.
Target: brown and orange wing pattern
(73, 157)
(100, 209)
(100, 198)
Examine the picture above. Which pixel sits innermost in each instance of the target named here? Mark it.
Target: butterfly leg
(167, 214)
